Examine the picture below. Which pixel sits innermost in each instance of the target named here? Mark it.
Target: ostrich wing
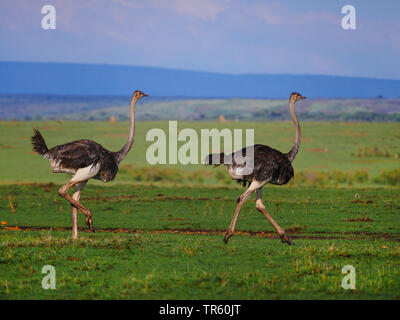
(78, 154)
(269, 164)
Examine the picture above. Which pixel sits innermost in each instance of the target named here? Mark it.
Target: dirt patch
(49, 187)
(317, 150)
(317, 235)
(108, 198)
(362, 201)
(46, 187)
(164, 197)
(295, 229)
(360, 219)
(13, 228)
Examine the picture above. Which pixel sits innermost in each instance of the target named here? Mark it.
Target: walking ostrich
(269, 166)
(85, 159)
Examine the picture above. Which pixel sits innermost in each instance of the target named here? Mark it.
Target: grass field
(325, 147)
(157, 239)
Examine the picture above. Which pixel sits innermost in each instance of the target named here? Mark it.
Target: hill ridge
(119, 80)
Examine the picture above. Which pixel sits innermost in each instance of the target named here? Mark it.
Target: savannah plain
(159, 229)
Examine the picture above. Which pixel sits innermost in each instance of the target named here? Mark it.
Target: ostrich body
(84, 159)
(269, 166)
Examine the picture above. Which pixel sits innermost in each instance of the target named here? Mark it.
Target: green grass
(160, 237)
(144, 261)
(325, 146)
(157, 266)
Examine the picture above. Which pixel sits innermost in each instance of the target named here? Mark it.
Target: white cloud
(201, 9)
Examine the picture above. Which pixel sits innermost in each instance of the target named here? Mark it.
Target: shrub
(389, 177)
(335, 177)
(373, 152)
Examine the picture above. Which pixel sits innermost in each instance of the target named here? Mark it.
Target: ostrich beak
(145, 95)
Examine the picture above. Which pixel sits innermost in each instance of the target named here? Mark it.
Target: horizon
(106, 79)
(198, 71)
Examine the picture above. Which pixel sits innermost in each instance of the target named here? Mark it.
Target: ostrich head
(139, 94)
(295, 96)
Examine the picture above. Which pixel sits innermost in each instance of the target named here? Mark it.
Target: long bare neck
(292, 153)
(128, 145)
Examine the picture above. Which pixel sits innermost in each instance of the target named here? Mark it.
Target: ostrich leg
(260, 207)
(63, 192)
(76, 196)
(81, 176)
(241, 200)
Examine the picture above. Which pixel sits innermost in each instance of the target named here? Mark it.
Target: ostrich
(84, 159)
(270, 166)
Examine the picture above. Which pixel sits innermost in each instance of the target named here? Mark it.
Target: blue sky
(230, 36)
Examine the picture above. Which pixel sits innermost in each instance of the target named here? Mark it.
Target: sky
(226, 36)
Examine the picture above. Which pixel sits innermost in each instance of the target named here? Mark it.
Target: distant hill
(49, 107)
(117, 80)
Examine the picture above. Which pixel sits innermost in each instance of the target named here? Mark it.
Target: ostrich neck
(128, 145)
(292, 153)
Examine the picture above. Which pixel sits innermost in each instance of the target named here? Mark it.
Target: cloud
(129, 4)
(276, 13)
(213, 35)
(206, 10)
(268, 13)
(202, 9)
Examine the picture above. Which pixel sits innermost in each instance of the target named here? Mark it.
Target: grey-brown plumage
(263, 165)
(269, 164)
(84, 153)
(85, 159)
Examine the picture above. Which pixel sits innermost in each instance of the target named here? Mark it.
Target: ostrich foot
(89, 223)
(227, 236)
(285, 239)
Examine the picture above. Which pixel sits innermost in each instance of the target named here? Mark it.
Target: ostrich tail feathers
(39, 145)
(215, 159)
